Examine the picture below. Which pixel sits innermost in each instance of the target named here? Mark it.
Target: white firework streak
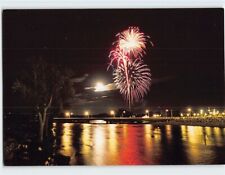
(117, 56)
(139, 80)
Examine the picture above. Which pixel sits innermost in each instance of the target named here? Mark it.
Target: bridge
(112, 120)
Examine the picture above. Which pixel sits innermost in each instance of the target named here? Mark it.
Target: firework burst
(130, 74)
(117, 56)
(132, 42)
(139, 80)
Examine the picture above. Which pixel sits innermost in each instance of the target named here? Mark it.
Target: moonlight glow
(100, 87)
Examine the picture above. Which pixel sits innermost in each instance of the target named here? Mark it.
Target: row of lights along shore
(202, 112)
(87, 113)
(189, 112)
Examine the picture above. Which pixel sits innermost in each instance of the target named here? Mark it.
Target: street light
(201, 111)
(86, 113)
(67, 114)
(112, 112)
(123, 113)
(189, 110)
(147, 112)
(167, 110)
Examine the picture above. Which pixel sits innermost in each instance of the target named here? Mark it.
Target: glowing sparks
(138, 80)
(130, 74)
(132, 41)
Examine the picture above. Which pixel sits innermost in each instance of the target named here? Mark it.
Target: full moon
(100, 87)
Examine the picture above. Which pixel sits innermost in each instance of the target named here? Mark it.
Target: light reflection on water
(203, 143)
(67, 140)
(140, 144)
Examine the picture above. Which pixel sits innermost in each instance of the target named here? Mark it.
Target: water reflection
(137, 144)
(113, 143)
(87, 144)
(67, 148)
(203, 143)
(99, 145)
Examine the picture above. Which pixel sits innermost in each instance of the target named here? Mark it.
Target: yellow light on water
(67, 140)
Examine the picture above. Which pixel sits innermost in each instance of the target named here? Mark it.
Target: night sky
(186, 62)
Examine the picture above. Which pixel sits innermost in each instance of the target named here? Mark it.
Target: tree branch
(40, 117)
(50, 101)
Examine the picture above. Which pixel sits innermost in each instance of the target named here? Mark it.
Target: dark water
(139, 144)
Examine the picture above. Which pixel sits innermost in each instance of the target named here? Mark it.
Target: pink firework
(132, 42)
(130, 45)
(139, 80)
(117, 56)
(131, 76)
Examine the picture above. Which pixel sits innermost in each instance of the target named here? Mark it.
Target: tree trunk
(42, 123)
(46, 126)
(41, 133)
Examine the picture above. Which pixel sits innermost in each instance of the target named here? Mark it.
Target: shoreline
(191, 121)
(204, 122)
